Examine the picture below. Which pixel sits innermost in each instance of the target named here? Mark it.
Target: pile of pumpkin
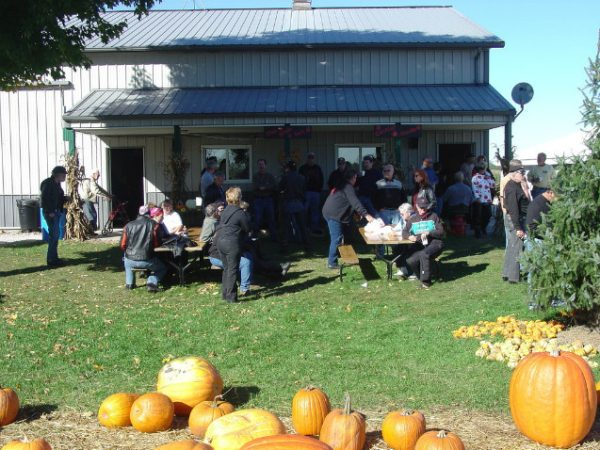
(520, 339)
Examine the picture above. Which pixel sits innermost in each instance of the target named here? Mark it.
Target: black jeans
(420, 259)
(481, 217)
(231, 252)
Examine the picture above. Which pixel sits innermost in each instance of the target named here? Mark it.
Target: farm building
(242, 84)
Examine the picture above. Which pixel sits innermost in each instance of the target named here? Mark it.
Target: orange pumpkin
(553, 398)
(204, 413)
(286, 442)
(115, 410)
(598, 392)
(36, 444)
(439, 440)
(402, 429)
(9, 406)
(188, 381)
(310, 406)
(152, 412)
(233, 430)
(188, 444)
(344, 429)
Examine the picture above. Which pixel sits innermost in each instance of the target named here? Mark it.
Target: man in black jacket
(292, 187)
(53, 199)
(140, 237)
(312, 197)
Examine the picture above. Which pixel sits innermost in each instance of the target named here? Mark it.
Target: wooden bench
(348, 257)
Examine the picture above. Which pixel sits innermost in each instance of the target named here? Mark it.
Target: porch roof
(126, 105)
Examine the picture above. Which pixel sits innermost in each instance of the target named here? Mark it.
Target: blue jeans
(336, 236)
(89, 211)
(245, 269)
(312, 203)
(264, 209)
(154, 265)
(389, 217)
(368, 204)
(53, 234)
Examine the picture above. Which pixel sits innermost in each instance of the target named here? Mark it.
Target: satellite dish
(522, 93)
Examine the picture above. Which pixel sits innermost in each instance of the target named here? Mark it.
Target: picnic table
(188, 256)
(388, 256)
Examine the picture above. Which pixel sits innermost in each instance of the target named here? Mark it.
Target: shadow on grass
(451, 271)
(29, 413)
(368, 269)
(291, 288)
(456, 248)
(240, 395)
(23, 244)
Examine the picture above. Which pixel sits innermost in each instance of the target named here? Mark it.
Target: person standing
(337, 176)
(337, 211)
(427, 167)
(516, 203)
(540, 176)
(291, 189)
(367, 184)
(90, 191)
(313, 175)
(389, 196)
(423, 189)
(264, 193)
(140, 237)
(53, 200)
(208, 176)
(483, 186)
(234, 226)
(215, 192)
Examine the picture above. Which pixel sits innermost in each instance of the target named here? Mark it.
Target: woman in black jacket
(233, 229)
(337, 210)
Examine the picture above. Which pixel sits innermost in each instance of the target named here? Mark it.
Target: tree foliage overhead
(566, 264)
(36, 37)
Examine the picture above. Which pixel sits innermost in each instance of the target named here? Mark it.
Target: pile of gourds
(520, 339)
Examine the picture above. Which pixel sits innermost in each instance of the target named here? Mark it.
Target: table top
(382, 241)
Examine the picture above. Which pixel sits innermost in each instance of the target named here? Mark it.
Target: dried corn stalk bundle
(77, 226)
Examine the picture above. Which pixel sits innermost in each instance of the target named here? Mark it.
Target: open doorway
(127, 178)
(451, 156)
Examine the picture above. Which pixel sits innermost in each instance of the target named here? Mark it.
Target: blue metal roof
(379, 26)
(156, 103)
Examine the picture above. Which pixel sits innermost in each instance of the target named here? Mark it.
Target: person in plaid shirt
(483, 186)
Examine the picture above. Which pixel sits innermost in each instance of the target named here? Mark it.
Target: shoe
(412, 278)
(56, 263)
(152, 288)
(504, 278)
(333, 266)
(401, 274)
(130, 286)
(425, 285)
(247, 293)
(231, 300)
(284, 268)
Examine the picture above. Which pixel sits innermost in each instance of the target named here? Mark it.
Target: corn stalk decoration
(77, 227)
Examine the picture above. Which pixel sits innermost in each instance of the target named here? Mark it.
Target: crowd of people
(291, 208)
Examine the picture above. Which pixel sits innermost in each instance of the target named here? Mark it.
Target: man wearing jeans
(53, 199)
(264, 193)
(314, 185)
(140, 238)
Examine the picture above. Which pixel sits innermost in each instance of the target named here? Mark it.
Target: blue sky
(548, 45)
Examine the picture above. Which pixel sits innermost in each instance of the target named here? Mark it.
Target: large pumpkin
(439, 440)
(598, 391)
(188, 381)
(36, 444)
(310, 406)
(344, 429)
(204, 413)
(232, 431)
(402, 429)
(553, 398)
(152, 412)
(9, 406)
(286, 442)
(115, 410)
(188, 444)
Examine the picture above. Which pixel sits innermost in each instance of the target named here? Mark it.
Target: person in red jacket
(140, 237)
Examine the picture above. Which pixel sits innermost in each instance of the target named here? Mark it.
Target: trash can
(28, 213)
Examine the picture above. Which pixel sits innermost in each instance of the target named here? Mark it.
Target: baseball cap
(341, 160)
(368, 158)
(423, 203)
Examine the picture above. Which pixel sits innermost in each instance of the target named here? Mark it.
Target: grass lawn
(73, 335)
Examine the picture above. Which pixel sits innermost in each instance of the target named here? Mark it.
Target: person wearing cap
(291, 189)
(426, 246)
(140, 237)
(90, 191)
(208, 175)
(337, 176)
(53, 199)
(313, 174)
(215, 192)
(367, 184)
(540, 176)
(339, 206)
(265, 188)
(483, 187)
(516, 203)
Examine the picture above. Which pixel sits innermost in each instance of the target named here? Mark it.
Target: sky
(548, 44)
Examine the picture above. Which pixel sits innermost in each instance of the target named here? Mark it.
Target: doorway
(451, 156)
(127, 178)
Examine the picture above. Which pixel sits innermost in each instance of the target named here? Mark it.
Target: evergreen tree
(565, 265)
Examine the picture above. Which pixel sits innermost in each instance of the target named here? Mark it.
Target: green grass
(71, 336)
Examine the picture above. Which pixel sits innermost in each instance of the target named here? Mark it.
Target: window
(354, 154)
(234, 161)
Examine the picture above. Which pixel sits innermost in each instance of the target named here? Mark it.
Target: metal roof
(128, 104)
(380, 26)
